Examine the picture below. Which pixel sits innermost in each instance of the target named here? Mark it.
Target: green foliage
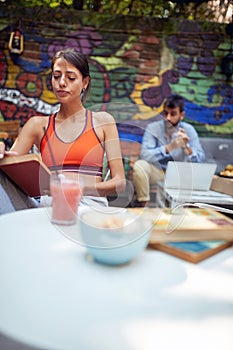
(137, 7)
(40, 3)
(191, 9)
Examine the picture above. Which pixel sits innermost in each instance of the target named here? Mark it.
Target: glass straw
(51, 153)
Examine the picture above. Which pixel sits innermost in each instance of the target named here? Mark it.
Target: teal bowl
(114, 238)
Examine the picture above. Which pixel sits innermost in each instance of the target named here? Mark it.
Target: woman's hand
(4, 153)
(2, 150)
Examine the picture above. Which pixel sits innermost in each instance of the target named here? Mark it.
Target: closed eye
(56, 77)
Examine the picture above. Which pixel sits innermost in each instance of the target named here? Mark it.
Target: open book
(28, 172)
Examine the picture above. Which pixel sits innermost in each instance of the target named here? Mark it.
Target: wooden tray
(192, 251)
(193, 234)
(187, 225)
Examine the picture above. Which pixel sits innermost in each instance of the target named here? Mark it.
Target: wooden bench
(4, 135)
(9, 131)
(130, 153)
(10, 127)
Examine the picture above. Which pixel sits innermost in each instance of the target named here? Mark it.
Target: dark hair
(78, 60)
(174, 101)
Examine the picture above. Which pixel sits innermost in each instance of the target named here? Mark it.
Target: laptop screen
(189, 176)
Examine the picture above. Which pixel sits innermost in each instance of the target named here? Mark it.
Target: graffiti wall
(135, 64)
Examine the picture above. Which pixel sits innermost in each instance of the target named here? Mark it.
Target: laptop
(189, 176)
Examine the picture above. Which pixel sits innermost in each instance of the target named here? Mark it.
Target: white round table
(53, 296)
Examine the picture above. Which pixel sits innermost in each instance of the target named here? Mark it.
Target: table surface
(54, 296)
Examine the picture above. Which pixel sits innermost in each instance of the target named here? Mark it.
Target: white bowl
(114, 237)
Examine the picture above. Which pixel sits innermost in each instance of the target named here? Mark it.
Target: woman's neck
(69, 112)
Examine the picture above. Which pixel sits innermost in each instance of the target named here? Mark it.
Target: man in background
(169, 139)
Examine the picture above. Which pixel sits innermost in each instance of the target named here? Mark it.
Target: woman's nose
(62, 81)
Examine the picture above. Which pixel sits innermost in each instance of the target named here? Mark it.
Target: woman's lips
(62, 93)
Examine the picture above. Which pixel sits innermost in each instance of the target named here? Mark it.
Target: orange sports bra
(84, 154)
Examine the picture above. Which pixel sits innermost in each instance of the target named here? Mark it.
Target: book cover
(28, 172)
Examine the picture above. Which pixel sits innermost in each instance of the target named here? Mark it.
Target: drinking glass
(66, 194)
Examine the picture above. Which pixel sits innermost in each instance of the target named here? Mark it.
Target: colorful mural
(131, 76)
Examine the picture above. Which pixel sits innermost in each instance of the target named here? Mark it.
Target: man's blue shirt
(155, 140)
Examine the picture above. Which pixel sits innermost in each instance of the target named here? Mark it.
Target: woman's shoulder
(38, 120)
(36, 124)
(102, 117)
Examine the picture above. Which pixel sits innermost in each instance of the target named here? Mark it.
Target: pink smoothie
(66, 198)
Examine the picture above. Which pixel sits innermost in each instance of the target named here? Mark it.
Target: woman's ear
(86, 82)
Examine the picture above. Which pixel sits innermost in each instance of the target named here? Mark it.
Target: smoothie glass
(66, 194)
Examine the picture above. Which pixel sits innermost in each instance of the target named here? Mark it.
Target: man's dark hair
(174, 101)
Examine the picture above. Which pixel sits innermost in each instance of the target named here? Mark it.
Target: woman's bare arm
(30, 135)
(114, 157)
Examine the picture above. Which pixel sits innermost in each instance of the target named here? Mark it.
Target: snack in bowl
(114, 237)
(228, 171)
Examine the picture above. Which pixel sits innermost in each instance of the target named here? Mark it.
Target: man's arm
(198, 154)
(154, 145)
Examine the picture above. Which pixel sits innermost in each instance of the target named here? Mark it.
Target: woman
(78, 138)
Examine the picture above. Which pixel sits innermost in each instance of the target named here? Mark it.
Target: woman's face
(67, 81)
